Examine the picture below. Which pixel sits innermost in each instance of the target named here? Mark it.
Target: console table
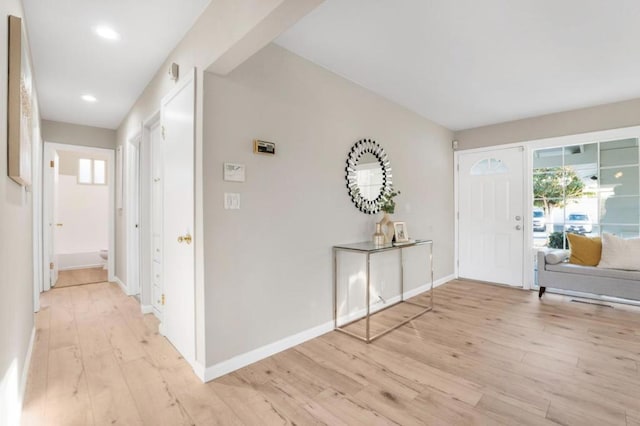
(368, 249)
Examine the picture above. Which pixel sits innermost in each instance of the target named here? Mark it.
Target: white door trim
(132, 212)
(37, 200)
(526, 247)
(110, 153)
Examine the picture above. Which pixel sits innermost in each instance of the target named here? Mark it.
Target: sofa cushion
(619, 253)
(584, 250)
(594, 271)
(554, 257)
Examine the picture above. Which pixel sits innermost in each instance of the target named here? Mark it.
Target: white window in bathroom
(92, 172)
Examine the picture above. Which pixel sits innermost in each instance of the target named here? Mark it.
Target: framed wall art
(20, 107)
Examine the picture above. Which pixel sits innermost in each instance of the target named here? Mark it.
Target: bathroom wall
(83, 211)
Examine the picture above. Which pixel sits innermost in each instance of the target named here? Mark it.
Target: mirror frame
(364, 146)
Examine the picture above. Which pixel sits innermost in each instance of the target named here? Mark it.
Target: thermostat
(264, 147)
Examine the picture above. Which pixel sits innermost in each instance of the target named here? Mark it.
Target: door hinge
(163, 299)
(51, 163)
(162, 132)
(51, 265)
(458, 166)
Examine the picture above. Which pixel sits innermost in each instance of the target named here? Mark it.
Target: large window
(586, 189)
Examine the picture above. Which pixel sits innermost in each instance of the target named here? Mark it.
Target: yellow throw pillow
(585, 251)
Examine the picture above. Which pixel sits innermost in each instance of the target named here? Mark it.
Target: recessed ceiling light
(107, 32)
(89, 98)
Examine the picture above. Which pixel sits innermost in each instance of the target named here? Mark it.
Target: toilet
(104, 254)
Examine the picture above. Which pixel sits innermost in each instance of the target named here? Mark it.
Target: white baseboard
(199, 370)
(27, 364)
(146, 309)
(122, 285)
(73, 268)
(225, 367)
(255, 355)
(444, 280)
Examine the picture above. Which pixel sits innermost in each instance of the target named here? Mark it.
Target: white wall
(16, 255)
(603, 117)
(268, 268)
(84, 212)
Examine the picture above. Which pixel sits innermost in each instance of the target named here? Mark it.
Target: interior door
(157, 160)
(491, 219)
(178, 261)
(133, 217)
(52, 174)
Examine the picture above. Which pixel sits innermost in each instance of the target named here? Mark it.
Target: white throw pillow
(618, 253)
(556, 256)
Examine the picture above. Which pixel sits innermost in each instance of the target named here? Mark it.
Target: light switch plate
(231, 201)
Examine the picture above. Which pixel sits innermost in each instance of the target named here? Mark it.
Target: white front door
(178, 258)
(491, 216)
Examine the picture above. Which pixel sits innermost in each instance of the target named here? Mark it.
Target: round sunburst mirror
(368, 175)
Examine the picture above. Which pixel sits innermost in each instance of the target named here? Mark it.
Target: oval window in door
(488, 166)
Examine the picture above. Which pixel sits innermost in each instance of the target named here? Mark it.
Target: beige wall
(16, 256)
(603, 117)
(268, 265)
(229, 31)
(74, 134)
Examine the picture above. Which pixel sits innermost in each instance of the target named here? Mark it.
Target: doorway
(177, 269)
(491, 220)
(77, 215)
(133, 214)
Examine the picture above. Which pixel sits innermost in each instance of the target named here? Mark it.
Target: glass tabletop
(369, 246)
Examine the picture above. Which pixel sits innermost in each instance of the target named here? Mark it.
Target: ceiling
(70, 60)
(468, 63)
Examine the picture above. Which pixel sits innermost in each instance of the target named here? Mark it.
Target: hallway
(81, 276)
(98, 360)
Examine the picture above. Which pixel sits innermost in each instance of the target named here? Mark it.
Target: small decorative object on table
(388, 206)
(378, 237)
(401, 236)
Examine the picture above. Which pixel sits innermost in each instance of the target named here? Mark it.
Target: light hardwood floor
(486, 355)
(81, 276)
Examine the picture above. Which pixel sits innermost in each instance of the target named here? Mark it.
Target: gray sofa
(587, 279)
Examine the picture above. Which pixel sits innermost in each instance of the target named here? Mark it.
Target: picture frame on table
(400, 232)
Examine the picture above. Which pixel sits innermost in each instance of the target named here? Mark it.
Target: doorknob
(186, 239)
(518, 218)
(518, 227)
